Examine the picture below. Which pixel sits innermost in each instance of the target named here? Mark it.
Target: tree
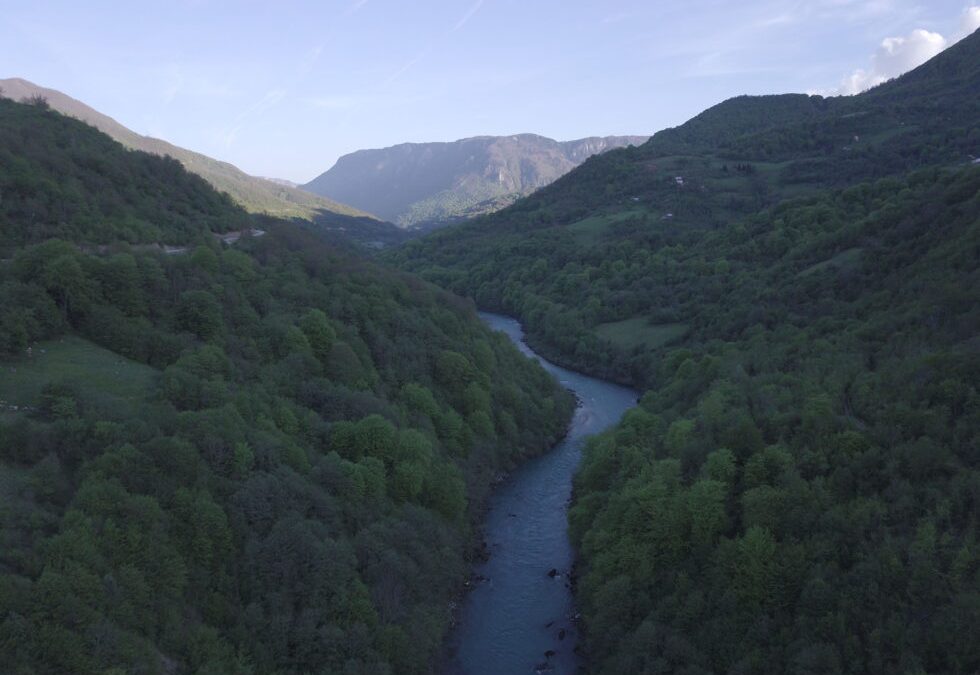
(38, 101)
(755, 570)
(198, 312)
(320, 334)
(445, 491)
(706, 505)
(64, 278)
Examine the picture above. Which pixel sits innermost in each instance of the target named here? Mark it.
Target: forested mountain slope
(425, 185)
(256, 195)
(798, 490)
(262, 458)
(556, 259)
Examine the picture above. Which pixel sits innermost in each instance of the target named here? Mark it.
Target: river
(518, 612)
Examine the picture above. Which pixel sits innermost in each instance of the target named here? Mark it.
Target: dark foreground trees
(260, 459)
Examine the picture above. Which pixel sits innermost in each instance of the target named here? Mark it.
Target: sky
(282, 89)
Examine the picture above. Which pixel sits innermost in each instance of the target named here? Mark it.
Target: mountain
(794, 280)
(258, 195)
(281, 181)
(732, 161)
(432, 184)
(227, 446)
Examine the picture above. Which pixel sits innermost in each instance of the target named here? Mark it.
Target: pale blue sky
(283, 88)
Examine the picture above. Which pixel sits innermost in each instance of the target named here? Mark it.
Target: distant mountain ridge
(428, 184)
(258, 195)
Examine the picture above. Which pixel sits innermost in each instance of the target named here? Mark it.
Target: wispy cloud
(405, 67)
(333, 102)
(848, 12)
(616, 18)
(408, 65)
(179, 83)
(725, 64)
(255, 111)
(309, 60)
(171, 90)
(358, 4)
(469, 15)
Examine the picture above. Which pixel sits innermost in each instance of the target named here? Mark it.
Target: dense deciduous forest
(264, 458)
(269, 456)
(794, 280)
(799, 492)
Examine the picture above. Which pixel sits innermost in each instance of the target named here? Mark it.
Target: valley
(701, 402)
(424, 186)
(276, 437)
(520, 614)
(792, 281)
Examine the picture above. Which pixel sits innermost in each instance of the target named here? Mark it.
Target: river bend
(517, 612)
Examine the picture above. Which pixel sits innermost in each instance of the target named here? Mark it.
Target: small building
(679, 180)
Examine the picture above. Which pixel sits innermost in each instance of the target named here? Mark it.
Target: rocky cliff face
(429, 184)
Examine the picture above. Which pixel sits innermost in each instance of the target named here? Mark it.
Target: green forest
(235, 444)
(793, 281)
(261, 458)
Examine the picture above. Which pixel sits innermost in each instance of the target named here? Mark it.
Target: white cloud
(969, 22)
(895, 56)
(898, 55)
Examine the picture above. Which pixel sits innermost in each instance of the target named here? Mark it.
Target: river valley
(518, 618)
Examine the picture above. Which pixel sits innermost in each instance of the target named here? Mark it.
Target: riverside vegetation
(794, 280)
(263, 458)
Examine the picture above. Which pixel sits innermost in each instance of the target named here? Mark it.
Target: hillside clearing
(639, 332)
